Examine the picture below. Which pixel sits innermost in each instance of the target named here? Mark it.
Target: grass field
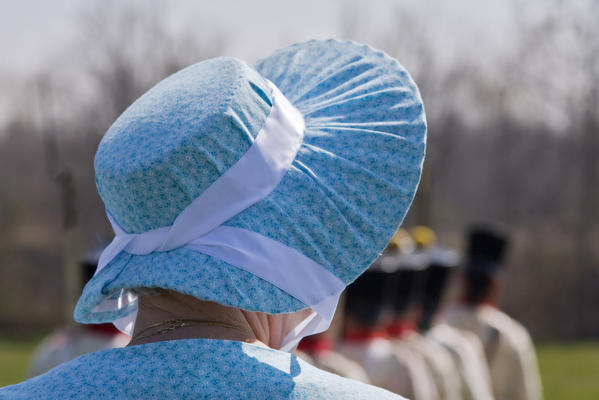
(14, 357)
(569, 371)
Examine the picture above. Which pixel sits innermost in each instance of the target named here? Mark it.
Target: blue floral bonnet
(267, 188)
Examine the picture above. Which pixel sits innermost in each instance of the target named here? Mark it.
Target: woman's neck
(167, 315)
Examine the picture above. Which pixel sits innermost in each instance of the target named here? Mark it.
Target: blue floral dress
(191, 369)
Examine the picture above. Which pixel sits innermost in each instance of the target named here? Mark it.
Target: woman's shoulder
(296, 378)
(193, 368)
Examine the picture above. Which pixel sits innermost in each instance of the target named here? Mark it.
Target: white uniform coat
(469, 358)
(441, 367)
(336, 363)
(399, 370)
(509, 350)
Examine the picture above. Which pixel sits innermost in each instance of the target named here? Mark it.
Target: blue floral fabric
(191, 369)
(344, 196)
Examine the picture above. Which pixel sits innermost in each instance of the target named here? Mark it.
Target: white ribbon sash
(199, 226)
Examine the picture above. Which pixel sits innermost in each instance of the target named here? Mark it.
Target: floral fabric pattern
(191, 369)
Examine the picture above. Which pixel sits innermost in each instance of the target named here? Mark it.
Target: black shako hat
(486, 248)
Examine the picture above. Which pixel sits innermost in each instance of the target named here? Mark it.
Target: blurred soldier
(69, 342)
(318, 351)
(365, 340)
(508, 346)
(464, 348)
(436, 370)
(469, 359)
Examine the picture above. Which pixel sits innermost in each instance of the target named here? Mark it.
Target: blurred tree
(124, 48)
(515, 142)
(561, 56)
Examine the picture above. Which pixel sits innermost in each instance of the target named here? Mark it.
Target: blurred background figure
(440, 263)
(69, 342)
(432, 367)
(364, 338)
(508, 347)
(464, 348)
(318, 351)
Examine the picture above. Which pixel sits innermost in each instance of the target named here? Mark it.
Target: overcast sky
(33, 33)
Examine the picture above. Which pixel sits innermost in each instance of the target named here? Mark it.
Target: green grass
(569, 371)
(14, 358)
